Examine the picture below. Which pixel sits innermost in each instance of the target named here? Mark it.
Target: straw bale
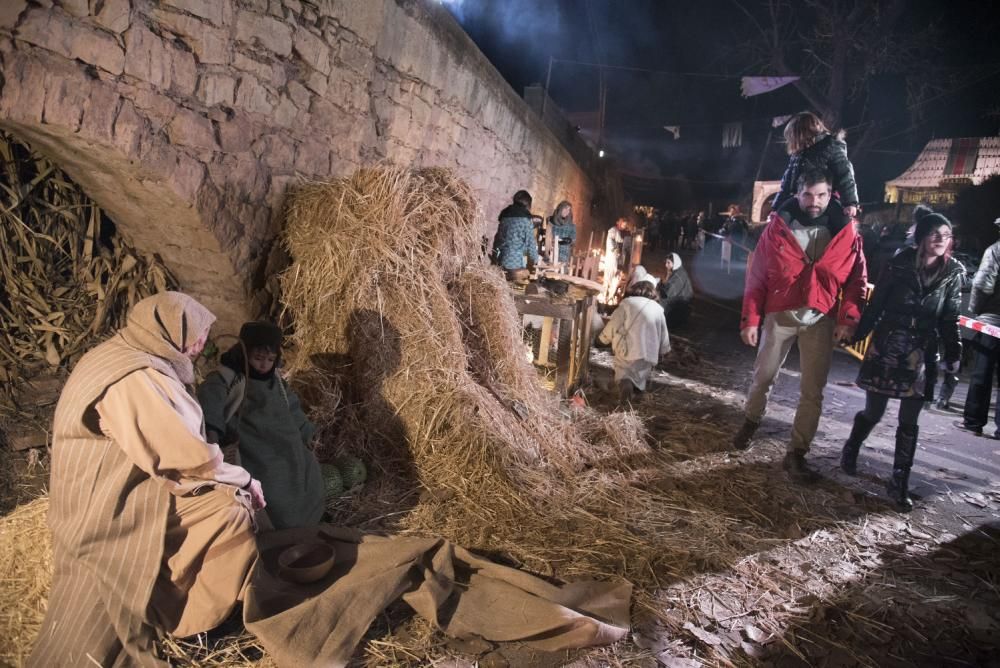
(387, 275)
(25, 578)
(491, 327)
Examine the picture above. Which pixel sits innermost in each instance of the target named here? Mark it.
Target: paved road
(948, 461)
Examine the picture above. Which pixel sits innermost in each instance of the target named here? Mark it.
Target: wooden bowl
(306, 562)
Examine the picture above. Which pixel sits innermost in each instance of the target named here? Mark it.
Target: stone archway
(152, 215)
(150, 128)
(186, 120)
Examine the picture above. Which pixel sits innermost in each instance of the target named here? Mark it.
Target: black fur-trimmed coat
(907, 316)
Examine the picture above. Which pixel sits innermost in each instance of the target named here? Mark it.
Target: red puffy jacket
(782, 278)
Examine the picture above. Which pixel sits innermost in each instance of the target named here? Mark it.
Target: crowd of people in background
(808, 284)
(672, 231)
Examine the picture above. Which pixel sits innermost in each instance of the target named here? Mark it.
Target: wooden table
(574, 310)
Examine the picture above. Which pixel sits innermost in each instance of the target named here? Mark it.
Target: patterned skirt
(894, 363)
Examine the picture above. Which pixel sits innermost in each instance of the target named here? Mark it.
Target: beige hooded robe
(151, 530)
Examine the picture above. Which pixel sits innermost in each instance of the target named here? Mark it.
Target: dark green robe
(273, 433)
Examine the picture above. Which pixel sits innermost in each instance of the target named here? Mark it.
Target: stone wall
(187, 120)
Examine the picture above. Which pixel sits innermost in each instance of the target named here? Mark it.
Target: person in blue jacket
(563, 229)
(515, 237)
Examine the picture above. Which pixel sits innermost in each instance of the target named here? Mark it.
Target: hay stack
(386, 274)
(435, 394)
(25, 578)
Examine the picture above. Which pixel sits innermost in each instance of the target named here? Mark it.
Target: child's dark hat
(261, 334)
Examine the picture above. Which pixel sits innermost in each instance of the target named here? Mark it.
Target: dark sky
(706, 45)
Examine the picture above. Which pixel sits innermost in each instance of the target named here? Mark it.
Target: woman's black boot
(898, 486)
(859, 432)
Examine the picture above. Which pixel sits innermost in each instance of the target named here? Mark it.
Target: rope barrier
(979, 326)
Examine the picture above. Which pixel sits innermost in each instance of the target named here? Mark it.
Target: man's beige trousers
(815, 354)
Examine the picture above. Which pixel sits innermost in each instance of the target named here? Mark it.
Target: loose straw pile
(387, 286)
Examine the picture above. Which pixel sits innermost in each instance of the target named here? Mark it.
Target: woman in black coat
(915, 303)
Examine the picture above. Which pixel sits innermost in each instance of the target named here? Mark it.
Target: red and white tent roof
(944, 160)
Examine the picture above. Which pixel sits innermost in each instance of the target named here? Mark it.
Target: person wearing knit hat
(915, 304)
(675, 292)
(984, 303)
(252, 411)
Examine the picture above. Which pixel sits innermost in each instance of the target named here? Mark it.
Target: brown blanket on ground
(320, 624)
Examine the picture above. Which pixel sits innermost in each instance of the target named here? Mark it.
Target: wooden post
(546, 341)
(587, 307)
(564, 355)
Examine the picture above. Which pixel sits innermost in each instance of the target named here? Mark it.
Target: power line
(633, 68)
(633, 175)
(629, 68)
(932, 99)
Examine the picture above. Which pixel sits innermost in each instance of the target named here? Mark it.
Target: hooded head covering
(165, 325)
(640, 274)
(675, 259)
(927, 220)
(257, 334)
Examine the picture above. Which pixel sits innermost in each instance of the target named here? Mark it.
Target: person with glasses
(915, 305)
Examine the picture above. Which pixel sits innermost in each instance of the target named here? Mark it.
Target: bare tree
(837, 47)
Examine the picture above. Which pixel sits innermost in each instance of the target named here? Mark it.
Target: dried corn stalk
(63, 285)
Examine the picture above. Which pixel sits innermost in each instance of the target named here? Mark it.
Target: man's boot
(626, 391)
(798, 471)
(859, 432)
(947, 389)
(744, 436)
(898, 486)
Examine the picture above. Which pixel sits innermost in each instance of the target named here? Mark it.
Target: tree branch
(760, 28)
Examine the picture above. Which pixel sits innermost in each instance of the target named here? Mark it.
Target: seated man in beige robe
(152, 532)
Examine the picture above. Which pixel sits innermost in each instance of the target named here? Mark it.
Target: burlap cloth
(320, 624)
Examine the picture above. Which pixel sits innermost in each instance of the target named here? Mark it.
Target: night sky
(698, 51)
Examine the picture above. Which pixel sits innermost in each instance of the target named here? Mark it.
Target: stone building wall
(187, 120)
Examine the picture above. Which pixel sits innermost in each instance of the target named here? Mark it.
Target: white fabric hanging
(751, 86)
(732, 135)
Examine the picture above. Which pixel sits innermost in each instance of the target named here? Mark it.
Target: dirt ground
(863, 584)
(762, 571)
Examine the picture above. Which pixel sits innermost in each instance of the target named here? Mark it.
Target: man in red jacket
(806, 283)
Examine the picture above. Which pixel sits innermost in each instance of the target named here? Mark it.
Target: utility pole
(545, 93)
(602, 91)
(602, 105)
(763, 154)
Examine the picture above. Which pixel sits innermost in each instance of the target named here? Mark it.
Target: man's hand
(749, 336)
(257, 501)
(851, 211)
(843, 334)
